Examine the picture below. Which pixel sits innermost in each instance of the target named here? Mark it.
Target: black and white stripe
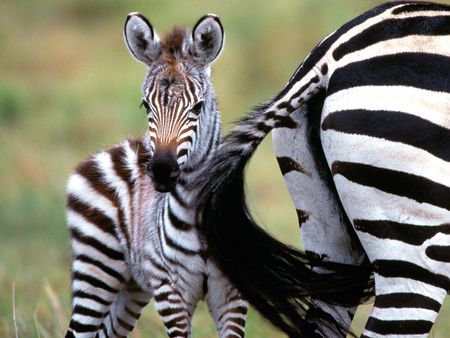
(366, 149)
(131, 242)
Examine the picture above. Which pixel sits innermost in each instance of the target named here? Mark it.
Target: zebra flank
(366, 159)
(130, 211)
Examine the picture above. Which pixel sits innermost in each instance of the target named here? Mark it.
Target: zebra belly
(388, 149)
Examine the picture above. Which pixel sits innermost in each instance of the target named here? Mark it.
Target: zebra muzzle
(164, 170)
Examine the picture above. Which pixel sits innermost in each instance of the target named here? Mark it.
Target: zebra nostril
(164, 172)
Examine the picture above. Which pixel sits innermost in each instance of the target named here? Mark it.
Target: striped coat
(130, 211)
(361, 133)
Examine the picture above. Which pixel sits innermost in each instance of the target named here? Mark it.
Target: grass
(69, 88)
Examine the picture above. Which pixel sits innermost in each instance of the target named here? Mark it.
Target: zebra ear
(207, 38)
(141, 39)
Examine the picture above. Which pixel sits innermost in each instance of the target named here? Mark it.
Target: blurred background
(68, 87)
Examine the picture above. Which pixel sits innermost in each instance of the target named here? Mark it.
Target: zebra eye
(197, 109)
(146, 106)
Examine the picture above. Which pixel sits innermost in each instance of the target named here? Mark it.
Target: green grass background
(68, 88)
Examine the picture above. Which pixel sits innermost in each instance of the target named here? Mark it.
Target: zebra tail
(275, 278)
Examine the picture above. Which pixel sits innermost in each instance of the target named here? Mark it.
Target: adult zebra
(130, 211)
(362, 136)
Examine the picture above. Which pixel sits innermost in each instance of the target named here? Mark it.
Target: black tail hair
(275, 278)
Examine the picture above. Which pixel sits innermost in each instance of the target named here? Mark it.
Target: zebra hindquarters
(325, 231)
(99, 270)
(388, 150)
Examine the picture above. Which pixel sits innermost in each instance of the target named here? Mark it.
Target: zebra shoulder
(110, 173)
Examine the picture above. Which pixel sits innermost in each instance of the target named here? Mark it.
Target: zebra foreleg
(173, 310)
(225, 304)
(124, 312)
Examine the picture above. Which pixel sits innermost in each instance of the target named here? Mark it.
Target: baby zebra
(130, 212)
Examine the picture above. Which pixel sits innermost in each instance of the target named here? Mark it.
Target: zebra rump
(278, 280)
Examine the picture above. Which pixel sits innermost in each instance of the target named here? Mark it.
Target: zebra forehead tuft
(173, 42)
(173, 75)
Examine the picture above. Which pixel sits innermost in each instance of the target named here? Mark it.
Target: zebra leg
(225, 304)
(396, 196)
(125, 311)
(95, 286)
(410, 281)
(174, 311)
(325, 231)
(403, 307)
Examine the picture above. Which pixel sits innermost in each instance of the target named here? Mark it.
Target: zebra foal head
(176, 91)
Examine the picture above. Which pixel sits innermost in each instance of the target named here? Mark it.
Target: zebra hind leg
(98, 274)
(124, 312)
(93, 292)
(404, 304)
(226, 305)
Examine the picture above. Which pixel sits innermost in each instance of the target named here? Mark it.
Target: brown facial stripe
(170, 146)
(182, 152)
(185, 139)
(153, 139)
(192, 89)
(191, 128)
